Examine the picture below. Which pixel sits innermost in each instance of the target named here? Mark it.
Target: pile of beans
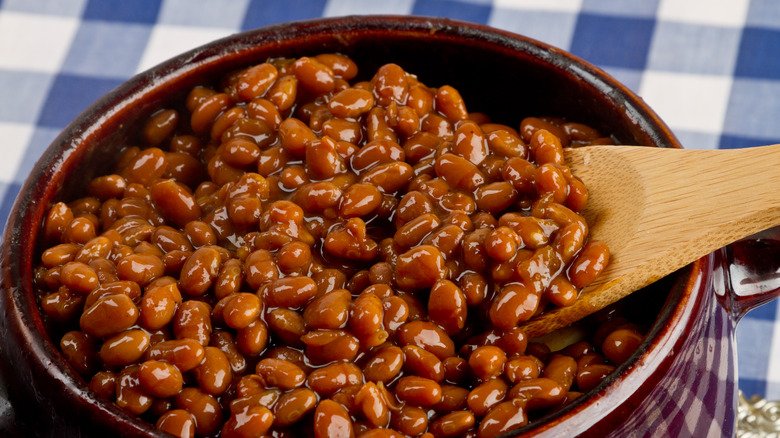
(292, 254)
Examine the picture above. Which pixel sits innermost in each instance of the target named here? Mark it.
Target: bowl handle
(749, 270)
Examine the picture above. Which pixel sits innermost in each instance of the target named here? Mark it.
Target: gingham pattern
(710, 68)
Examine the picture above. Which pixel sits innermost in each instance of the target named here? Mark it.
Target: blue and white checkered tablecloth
(710, 68)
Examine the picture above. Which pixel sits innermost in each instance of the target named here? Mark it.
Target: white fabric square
(687, 102)
(34, 42)
(773, 372)
(549, 5)
(19, 135)
(169, 41)
(712, 12)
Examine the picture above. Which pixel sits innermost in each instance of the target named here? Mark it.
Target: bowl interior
(500, 74)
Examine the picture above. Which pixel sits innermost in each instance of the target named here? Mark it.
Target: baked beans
(287, 253)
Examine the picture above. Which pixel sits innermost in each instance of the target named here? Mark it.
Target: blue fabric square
(632, 79)
(264, 12)
(457, 10)
(751, 387)
(728, 141)
(203, 13)
(136, 11)
(690, 48)
(39, 142)
(23, 95)
(758, 52)
(554, 28)
(763, 13)
(767, 312)
(70, 95)
(632, 8)
(350, 7)
(752, 111)
(754, 335)
(698, 140)
(8, 193)
(94, 49)
(611, 41)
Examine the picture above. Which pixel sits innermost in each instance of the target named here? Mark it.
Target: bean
(326, 346)
(495, 197)
(331, 419)
(293, 406)
(160, 379)
(486, 395)
(225, 342)
(409, 420)
(80, 352)
(129, 395)
(185, 354)
(459, 172)
(589, 263)
(453, 424)
(420, 267)
(177, 422)
(350, 103)
(174, 201)
(589, 376)
(290, 292)
(373, 406)
(515, 303)
(389, 177)
(502, 418)
(621, 344)
(287, 325)
(341, 65)
(200, 271)
(447, 306)
(158, 306)
(214, 374)
(283, 92)
(327, 380)
(124, 348)
(140, 268)
(193, 321)
(540, 393)
(252, 339)
(450, 103)
(314, 75)
(256, 80)
(241, 310)
(109, 315)
(418, 391)
(58, 218)
(385, 365)
(366, 320)
(145, 167)
(422, 363)
(359, 200)
(487, 362)
(203, 407)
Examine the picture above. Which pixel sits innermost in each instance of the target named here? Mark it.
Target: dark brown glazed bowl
(499, 73)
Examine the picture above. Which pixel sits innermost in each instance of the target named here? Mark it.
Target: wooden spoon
(659, 209)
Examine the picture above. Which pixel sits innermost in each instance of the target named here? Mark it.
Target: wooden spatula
(660, 209)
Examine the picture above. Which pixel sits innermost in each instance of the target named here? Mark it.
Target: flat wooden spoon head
(660, 209)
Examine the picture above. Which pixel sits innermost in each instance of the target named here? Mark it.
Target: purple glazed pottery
(680, 383)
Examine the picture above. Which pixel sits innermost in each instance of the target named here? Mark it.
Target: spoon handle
(660, 209)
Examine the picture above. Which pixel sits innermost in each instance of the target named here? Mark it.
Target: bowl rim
(17, 301)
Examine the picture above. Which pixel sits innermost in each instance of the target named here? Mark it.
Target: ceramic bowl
(683, 377)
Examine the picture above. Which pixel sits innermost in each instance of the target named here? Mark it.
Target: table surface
(710, 68)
